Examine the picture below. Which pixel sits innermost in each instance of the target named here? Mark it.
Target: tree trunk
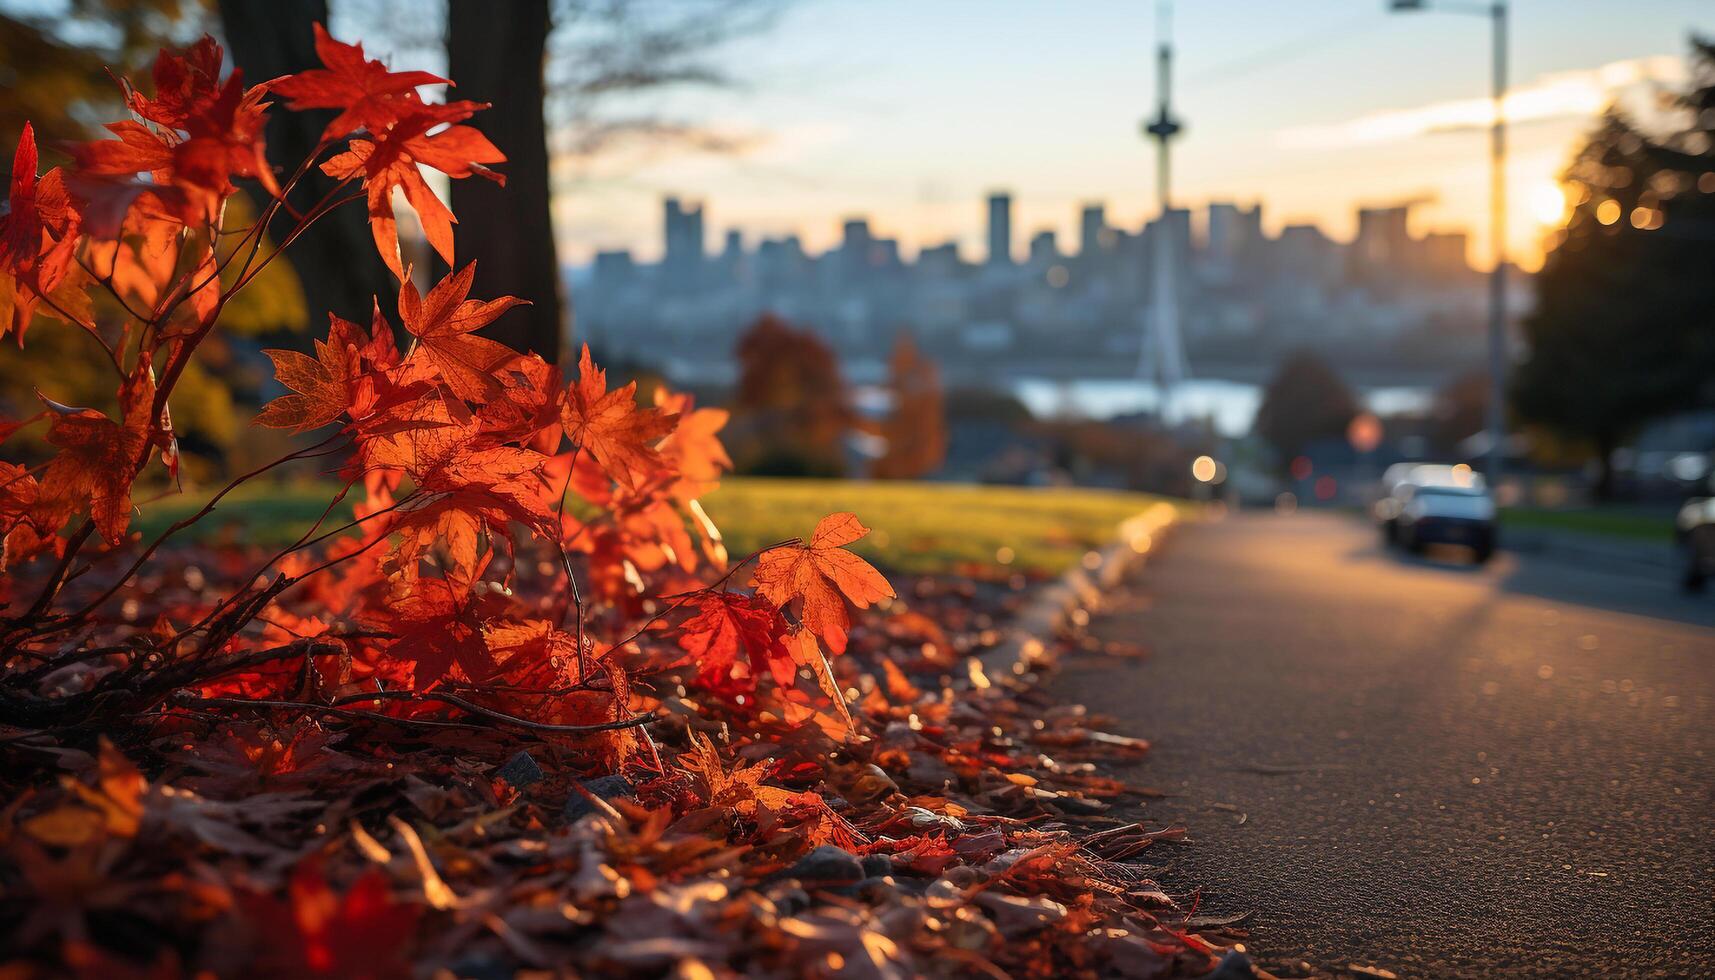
(1605, 488)
(496, 55)
(336, 261)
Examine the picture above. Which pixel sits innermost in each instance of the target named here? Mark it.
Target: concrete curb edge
(1029, 634)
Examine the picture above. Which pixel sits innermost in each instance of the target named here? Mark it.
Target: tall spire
(1161, 344)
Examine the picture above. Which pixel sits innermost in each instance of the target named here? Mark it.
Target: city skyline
(997, 221)
(1388, 304)
(911, 132)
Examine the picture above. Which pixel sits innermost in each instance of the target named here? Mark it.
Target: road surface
(1419, 765)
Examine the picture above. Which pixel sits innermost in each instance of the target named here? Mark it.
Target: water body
(1230, 404)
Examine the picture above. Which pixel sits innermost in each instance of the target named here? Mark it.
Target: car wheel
(1693, 579)
(1483, 552)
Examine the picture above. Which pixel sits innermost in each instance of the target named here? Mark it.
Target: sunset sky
(909, 112)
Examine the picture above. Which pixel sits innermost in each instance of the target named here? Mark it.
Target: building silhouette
(1245, 296)
(1000, 229)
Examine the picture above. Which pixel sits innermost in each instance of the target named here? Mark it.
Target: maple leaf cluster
(509, 518)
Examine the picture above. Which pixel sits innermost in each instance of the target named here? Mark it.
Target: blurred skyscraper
(683, 228)
(1000, 229)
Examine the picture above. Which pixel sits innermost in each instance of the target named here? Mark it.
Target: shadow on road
(1634, 589)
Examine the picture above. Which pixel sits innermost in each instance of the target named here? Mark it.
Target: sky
(909, 112)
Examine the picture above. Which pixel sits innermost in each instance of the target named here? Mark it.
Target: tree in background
(509, 230)
(916, 428)
(54, 61)
(335, 261)
(556, 65)
(791, 412)
(1624, 327)
(1306, 401)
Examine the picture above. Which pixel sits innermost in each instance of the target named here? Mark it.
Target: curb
(1033, 629)
(1587, 548)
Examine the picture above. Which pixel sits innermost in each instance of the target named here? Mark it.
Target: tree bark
(496, 54)
(335, 259)
(1605, 488)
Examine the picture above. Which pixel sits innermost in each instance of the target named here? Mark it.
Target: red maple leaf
(321, 385)
(320, 933)
(729, 624)
(818, 573)
(527, 409)
(391, 160)
(443, 321)
(23, 529)
(187, 85)
(473, 492)
(98, 458)
(207, 133)
(368, 95)
(37, 240)
(436, 625)
(610, 425)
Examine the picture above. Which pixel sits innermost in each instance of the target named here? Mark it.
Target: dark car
(1694, 531)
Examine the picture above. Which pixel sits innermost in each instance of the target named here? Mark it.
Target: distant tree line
(1623, 332)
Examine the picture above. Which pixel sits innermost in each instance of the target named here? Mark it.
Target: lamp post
(1497, 14)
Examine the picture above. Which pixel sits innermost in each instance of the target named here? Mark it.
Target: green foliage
(1638, 525)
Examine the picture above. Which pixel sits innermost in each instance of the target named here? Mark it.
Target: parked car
(1694, 532)
(1435, 504)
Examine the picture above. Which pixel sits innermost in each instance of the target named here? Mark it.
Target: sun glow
(1548, 204)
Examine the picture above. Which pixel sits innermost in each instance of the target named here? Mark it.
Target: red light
(1301, 468)
(1325, 488)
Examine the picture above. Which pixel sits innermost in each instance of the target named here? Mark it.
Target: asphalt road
(1419, 765)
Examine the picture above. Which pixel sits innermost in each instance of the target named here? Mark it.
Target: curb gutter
(1030, 633)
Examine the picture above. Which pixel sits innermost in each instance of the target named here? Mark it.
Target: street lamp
(1497, 14)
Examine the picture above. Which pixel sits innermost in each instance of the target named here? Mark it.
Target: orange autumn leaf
(806, 653)
(36, 245)
(443, 321)
(694, 447)
(393, 161)
(368, 95)
(609, 424)
(321, 385)
(98, 458)
(818, 573)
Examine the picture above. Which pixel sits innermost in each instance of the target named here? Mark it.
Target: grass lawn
(262, 513)
(916, 527)
(1638, 525)
(926, 527)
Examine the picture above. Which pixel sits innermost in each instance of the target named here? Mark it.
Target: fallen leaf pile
(961, 832)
